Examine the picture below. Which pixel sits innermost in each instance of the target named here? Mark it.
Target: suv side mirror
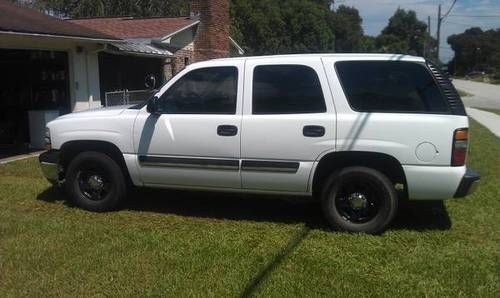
(152, 106)
(150, 81)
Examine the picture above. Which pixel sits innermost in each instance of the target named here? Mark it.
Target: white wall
(82, 61)
(86, 89)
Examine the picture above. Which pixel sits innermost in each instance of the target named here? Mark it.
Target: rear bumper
(468, 184)
(439, 182)
(49, 163)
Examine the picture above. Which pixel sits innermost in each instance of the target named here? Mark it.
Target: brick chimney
(212, 37)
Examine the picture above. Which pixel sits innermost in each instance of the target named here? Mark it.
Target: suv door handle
(227, 130)
(313, 131)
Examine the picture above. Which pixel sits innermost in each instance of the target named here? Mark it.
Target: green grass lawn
(168, 243)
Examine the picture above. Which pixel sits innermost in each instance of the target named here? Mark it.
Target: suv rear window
(286, 89)
(390, 86)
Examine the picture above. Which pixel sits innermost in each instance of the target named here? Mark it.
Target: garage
(50, 67)
(33, 85)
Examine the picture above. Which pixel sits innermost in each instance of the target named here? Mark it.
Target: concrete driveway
(483, 95)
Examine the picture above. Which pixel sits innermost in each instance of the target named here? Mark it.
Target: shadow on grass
(416, 215)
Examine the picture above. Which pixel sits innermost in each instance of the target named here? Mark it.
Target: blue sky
(375, 14)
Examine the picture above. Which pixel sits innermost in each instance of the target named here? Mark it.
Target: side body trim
(220, 164)
(269, 166)
(182, 162)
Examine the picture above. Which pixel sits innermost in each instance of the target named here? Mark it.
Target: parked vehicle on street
(359, 132)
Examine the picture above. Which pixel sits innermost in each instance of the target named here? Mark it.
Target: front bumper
(468, 184)
(49, 163)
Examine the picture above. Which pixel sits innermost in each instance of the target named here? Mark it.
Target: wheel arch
(71, 149)
(334, 161)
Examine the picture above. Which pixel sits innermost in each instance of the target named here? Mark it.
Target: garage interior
(34, 87)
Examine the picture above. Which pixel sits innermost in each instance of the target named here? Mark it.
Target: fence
(126, 97)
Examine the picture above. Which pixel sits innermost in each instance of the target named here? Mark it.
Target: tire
(359, 200)
(95, 182)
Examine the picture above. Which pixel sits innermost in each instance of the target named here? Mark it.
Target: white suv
(360, 132)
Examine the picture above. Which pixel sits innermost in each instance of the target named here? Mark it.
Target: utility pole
(429, 44)
(427, 40)
(429, 25)
(439, 20)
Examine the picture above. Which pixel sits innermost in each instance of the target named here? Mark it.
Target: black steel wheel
(359, 199)
(95, 182)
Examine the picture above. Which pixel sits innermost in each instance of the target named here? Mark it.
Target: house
(52, 66)
(176, 41)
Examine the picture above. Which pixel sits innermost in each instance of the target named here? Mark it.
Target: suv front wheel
(359, 199)
(95, 182)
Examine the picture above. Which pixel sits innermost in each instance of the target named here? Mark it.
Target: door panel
(186, 150)
(176, 149)
(300, 136)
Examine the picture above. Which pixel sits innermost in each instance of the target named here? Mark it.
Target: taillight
(460, 144)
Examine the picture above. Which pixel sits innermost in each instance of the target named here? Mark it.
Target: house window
(186, 61)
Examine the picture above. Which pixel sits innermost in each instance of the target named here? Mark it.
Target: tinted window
(377, 86)
(203, 91)
(286, 89)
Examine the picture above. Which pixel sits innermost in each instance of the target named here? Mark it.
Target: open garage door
(31, 82)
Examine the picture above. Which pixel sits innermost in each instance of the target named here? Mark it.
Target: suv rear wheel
(359, 199)
(95, 182)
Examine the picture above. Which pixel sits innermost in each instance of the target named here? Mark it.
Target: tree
(368, 44)
(96, 8)
(278, 27)
(404, 34)
(347, 29)
(475, 49)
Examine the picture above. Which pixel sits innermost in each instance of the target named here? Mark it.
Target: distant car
(476, 73)
(358, 132)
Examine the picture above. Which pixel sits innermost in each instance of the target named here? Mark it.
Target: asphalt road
(483, 95)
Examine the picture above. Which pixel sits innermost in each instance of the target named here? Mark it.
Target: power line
(449, 10)
(454, 23)
(396, 3)
(474, 16)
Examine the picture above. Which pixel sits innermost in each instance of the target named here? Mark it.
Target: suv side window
(286, 89)
(390, 86)
(210, 90)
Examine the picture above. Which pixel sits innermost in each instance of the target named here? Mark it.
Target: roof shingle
(16, 18)
(129, 27)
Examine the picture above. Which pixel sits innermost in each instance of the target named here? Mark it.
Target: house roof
(18, 19)
(130, 27)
